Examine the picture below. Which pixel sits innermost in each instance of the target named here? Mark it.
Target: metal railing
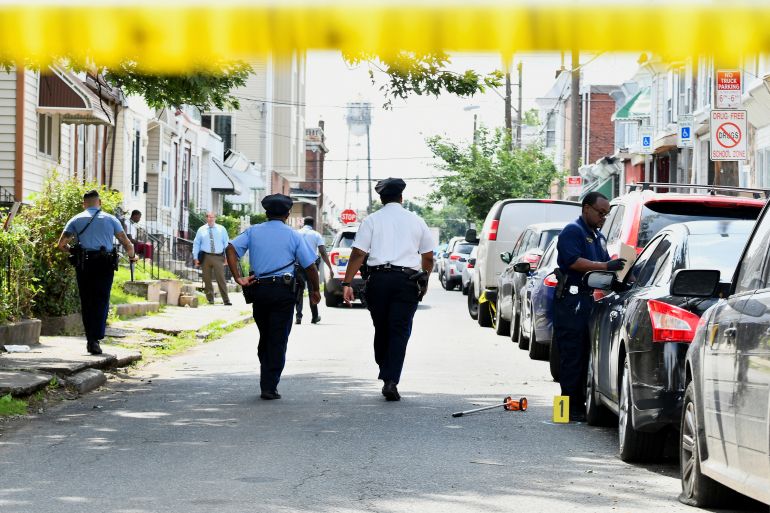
(756, 193)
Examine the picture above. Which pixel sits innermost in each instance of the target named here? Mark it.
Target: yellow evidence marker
(561, 409)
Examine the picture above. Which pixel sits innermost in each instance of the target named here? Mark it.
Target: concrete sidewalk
(66, 358)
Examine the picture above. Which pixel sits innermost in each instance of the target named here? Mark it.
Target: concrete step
(137, 308)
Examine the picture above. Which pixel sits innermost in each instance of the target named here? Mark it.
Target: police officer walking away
(316, 242)
(95, 261)
(581, 248)
(399, 246)
(273, 249)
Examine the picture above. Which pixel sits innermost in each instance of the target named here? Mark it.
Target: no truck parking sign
(728, 135)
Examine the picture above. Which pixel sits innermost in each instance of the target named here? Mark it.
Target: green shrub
(257, 218)
(18, 285)
(231, 224)
(59, 200)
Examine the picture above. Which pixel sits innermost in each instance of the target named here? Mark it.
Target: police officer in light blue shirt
(273, 250)
(94, 262)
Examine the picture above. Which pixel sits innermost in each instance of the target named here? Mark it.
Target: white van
(502, 227)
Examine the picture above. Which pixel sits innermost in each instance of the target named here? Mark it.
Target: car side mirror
(695, 283)
(472, 261)
(470, 236)
(601, 280)
(522, 267)
(505, 257)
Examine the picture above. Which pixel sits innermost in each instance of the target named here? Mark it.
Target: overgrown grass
(10, 406)
(187, 339)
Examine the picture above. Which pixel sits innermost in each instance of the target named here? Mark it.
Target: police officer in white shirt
(399, 247)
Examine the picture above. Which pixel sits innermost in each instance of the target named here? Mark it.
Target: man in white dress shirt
(316, 242)
(398, 245)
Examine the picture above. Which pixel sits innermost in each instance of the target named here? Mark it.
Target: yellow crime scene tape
(177, 37)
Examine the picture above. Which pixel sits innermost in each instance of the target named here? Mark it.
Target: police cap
(93, 193)
(277, 204)
(390, 187)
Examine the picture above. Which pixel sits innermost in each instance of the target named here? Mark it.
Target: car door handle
(730, 332)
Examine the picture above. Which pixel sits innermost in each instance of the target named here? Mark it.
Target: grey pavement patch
(87, 380)
(22, 383)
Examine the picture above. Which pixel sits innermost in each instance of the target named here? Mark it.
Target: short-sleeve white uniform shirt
(394, 235)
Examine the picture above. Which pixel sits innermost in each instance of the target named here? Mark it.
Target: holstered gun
(561, 285)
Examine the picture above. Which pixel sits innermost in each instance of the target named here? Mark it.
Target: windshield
(465, 249)
(346, 240)
(716, 251)
(658, 215)
(546, 238)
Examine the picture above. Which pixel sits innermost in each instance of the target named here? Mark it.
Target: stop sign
(348, 216)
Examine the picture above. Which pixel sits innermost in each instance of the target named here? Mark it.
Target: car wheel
(635, 445)
(333, 301)
(521, 338)
(697, 490)
(553, 359)
(537, 351)
(596, 413)
(486, 314)
(473, 304)
(442, 280)
(464, 288)
(502, 327)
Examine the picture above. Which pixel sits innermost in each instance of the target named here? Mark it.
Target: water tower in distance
(359, 118)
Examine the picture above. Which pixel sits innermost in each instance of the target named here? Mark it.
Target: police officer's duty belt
(388, 267)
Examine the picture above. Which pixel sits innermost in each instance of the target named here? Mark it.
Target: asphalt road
(190, 434)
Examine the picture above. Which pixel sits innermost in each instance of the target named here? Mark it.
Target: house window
(550, 130)
(683, 99)
(166, 179)
(136, 148)
(705, 83)
(47, 136)
(222, 125)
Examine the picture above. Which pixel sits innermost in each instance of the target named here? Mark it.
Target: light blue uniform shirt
(273, 248)
(202, 240)
(102, 231)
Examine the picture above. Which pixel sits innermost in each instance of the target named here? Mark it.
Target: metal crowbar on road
(508, 404)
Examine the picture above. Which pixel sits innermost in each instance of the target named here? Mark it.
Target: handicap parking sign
(645, 137)
(685, 132)
(685, 124)
(646, 141)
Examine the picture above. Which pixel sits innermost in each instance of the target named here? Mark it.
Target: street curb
(87, 380)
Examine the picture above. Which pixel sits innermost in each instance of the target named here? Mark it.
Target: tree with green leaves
(478, 175)
(410, 73)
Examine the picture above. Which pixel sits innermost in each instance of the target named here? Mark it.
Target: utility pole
(518, 111)
(574, 151)
(508, 107)
(368, 169)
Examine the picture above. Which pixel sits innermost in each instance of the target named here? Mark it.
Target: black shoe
(269, 396)
(316, 319)
(94, 348)
(298, 321)
(578, 416)
(228, 303)
(390, 391)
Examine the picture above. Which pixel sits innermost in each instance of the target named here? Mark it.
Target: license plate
(342, 262)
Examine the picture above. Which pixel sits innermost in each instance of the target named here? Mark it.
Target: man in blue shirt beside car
(582, 248)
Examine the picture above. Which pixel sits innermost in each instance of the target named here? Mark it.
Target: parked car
(455, 264)
(442, 263)
(438, 254)
(528, 248)
(640, 332)
(339, 256)
(468, 270)
(636, 217)
(725, 426)
(536, 298)
(502, 227)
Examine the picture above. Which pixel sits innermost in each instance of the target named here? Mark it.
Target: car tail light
(470, 265)
(333, 257)
(493, 230)
(454, 257)
(671, 323)
(532, 258)
(550, 280)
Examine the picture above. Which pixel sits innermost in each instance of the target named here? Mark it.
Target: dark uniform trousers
(273, 308)
(392, 302)
(571, 315)
(94, 285)
(302, 283)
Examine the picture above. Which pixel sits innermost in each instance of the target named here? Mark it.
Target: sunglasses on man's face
(601, 214)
